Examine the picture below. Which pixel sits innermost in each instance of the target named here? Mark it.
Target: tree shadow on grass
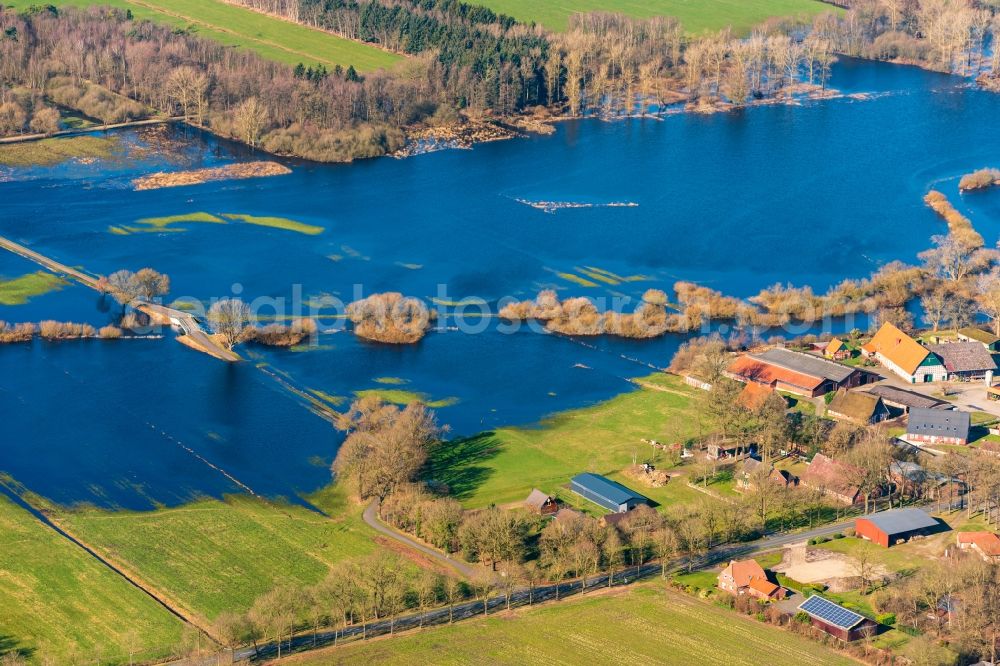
(458, 463)
(9, 646)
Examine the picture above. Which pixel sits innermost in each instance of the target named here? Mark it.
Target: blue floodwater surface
(809, 194)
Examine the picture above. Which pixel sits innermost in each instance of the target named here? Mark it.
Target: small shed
(985, 338)
(604, 492)
(857, 407)
(887, 528)
(836, 620)
(938, 426)
(541, 503)
(837, 350)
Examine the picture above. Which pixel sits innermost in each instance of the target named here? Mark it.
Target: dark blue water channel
(810, 194)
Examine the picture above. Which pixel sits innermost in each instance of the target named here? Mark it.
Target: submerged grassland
(20, 290)
(171, 223)
(61, 603)
(644, 624)
(48, 152)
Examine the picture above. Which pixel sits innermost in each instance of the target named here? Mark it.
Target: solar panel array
(830, 612)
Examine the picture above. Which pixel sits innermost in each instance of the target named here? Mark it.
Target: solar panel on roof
(829, 612)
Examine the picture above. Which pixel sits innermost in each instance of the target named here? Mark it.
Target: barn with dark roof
(604, 492)
(887, 528)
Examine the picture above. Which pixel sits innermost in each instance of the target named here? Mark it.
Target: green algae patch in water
(391, 381)
(332, 400)
(401, 397)
(164, 224)
(576, 279)
(48, 152)
(277, 223)
(20, 290)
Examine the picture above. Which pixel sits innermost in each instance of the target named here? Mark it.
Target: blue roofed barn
(604, 492)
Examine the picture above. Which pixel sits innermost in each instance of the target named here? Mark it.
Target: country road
(371, 518)
(520, 597)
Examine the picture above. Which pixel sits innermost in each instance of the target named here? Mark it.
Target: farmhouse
(541, 503)
(730, 450)
(887, 528)
(832, 478)
(795, 372)
(837, 350)
(905, 400)
(754, 469)
(913, 480)
(938, 426)
(836, 620)
(748, 577)
(905, 356)
(984, 544)
(966, 361)
(604, 492)
(985, 338)
(857, 407)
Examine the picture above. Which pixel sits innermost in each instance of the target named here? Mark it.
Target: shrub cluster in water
(55, 330)
(980, 179)
(280, 335)
(959, 226)
(390, 317)
(579, 316)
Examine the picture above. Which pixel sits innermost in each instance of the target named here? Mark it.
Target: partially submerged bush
(109, 332)
(59, 330)
(959, 225)
(580, 316)
(390, 317)
(16, 332)
(980, 179)
(279, 335)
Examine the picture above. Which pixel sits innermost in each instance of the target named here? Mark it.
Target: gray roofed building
(806, 364)
(898, 521)
(938, 426)
(905, 400)
(887, 528)
(605, 492)
(966, 360)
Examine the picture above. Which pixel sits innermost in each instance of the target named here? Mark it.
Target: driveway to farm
(371, 518)
(969, 396)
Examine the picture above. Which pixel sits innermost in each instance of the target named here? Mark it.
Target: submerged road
(194, 335)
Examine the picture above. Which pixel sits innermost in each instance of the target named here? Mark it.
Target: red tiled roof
(825, 472)
(746, 571)
(754, 370)
(987, 542)
(763, 586)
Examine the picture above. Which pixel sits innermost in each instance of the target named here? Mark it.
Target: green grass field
(20, 290)
(212, 556)
(644, 625)
(234, 26)
(505, 465)
(695, 15)
(47, 152)
(59, 603)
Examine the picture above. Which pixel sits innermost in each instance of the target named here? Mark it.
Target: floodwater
(808, 194)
